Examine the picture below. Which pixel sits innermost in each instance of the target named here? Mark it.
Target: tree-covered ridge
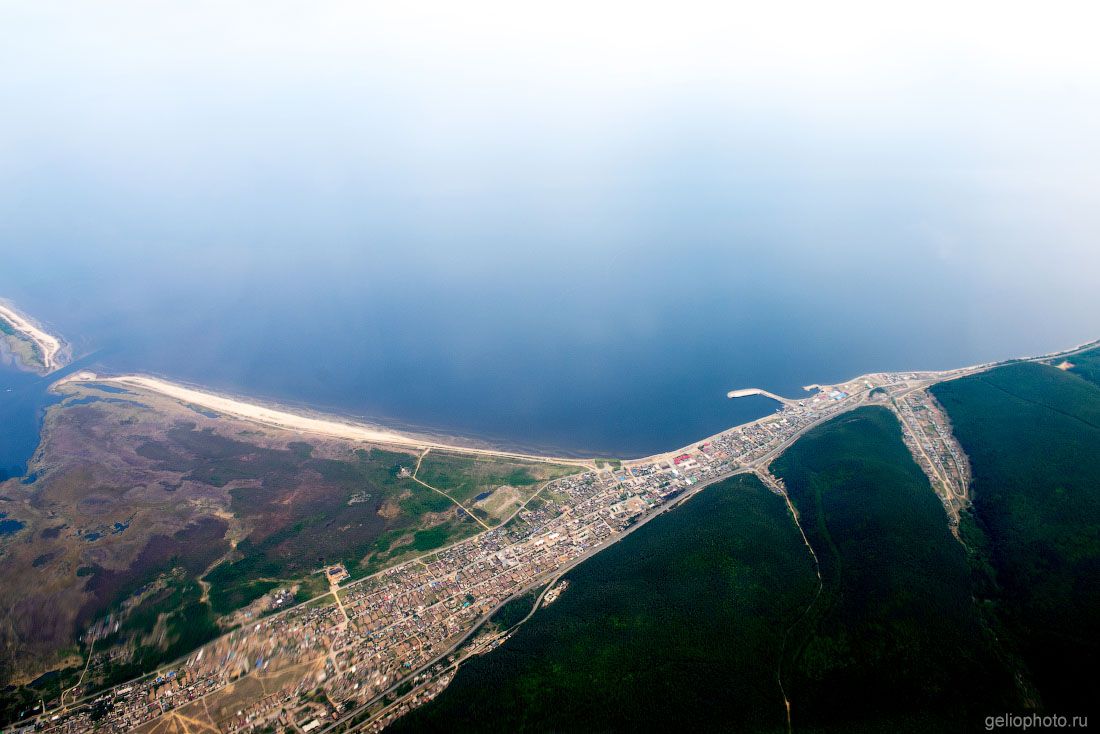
(1033, 436)
(1086, 365)
(895, 642)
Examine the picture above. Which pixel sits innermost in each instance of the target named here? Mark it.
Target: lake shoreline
(310, 421)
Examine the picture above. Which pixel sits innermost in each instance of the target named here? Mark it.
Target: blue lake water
(621, 355)
(24, 398)
(10, 527)
(476, 240)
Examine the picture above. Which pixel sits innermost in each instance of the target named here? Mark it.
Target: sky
(224, 104)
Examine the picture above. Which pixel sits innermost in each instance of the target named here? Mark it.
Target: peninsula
(32, 347)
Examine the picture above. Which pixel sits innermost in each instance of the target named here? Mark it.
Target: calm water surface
(613, 351)
(567, 245)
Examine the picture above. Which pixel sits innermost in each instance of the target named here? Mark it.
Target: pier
(746, 392)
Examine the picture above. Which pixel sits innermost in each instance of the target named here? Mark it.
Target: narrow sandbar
(284, 419)
(49, 345)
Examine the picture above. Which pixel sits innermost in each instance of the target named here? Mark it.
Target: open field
(143, 521)
(1032, 433)
(676, 627)
(492, 488)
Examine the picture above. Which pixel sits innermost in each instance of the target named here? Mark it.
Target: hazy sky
(465, 138)
(136, 114)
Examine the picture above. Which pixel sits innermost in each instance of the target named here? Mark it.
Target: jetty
(746, 392)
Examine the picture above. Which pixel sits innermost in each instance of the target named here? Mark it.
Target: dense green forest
(1032, 433)
(678, 627)
(895, 642)
(681, 624)
(1087, 365)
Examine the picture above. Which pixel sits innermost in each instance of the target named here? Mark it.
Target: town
(363, 654)
(928, 435)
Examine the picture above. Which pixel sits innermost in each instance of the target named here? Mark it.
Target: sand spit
(286, 420)
(50, 345)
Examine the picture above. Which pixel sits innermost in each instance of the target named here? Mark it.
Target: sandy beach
(49, 344)
(284, 419)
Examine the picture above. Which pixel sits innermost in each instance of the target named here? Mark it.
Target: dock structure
(746, 392)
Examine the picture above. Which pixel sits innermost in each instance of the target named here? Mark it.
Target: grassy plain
(1032, 433)
(895, 642)
(677, 627)
(145, 524)
(492, 488)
